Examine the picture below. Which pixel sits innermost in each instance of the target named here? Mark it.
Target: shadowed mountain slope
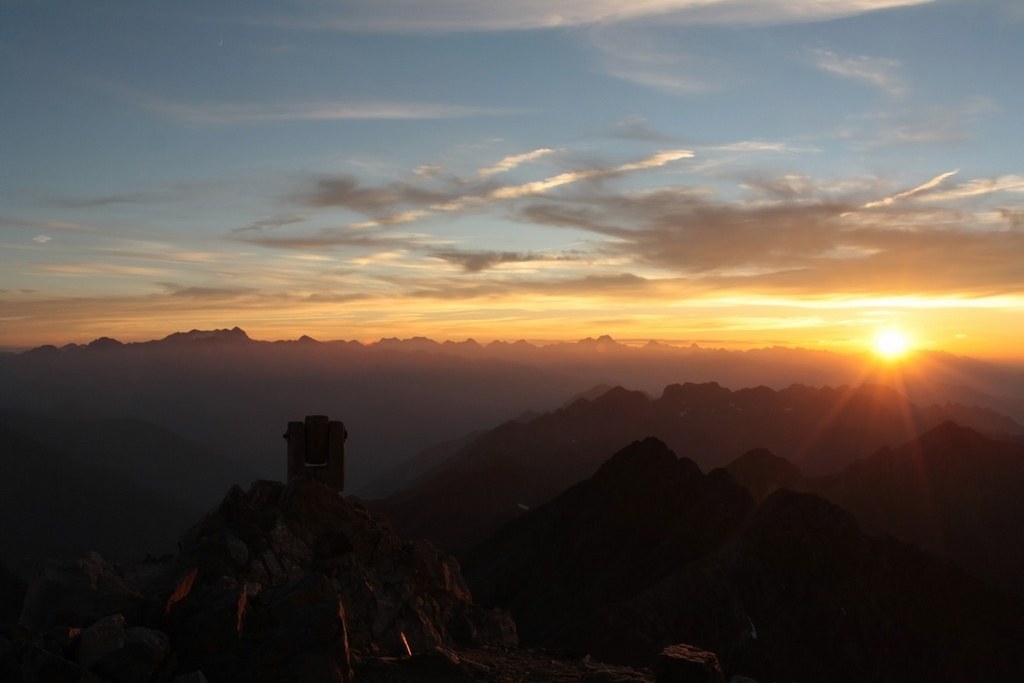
(521, 465)
(952, 491)
(650, 551)
(59, 507)
(149, 454)
(642, 515)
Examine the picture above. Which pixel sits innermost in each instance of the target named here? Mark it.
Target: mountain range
(651, 551)
(522, 464)
(846, 531)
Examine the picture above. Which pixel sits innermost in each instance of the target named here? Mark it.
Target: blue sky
(741, 173)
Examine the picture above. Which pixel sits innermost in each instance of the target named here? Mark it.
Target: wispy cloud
(272, 223)
(405, 202)
(466, 15)
(255, 113)
(810, 241)
(231, 114)
(875, 71)
(770, 146)
(979, 187)
(914, 126)
(510, 162)
(33, 224)
(637, 128)
(933, 183)
(644, 56)
(478, 261)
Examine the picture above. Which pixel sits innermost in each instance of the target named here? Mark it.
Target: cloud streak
(511, 162)
(216, 114)
(398, 16)
(406, 202)
(933, 183)
(874, 71)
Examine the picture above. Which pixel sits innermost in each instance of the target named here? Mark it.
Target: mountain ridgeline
(651, 551)
(522, 464)
(840, 532)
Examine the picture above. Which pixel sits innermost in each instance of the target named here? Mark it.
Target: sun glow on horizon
(891, 344)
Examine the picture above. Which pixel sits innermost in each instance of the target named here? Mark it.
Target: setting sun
(891, 344)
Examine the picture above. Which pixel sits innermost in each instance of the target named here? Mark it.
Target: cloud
(509, 163)
(637, 128)
(645, 56)
(346, 191)
(343, 237)
(479, 261)
(769, 146)
(875, 71)
(205, 293)
(806, 240)
(31, 224)
(401, 16)
(255, 113)
(42, 239)
(272, 223)
(912, 126)
(934, 182)
(538, 187)
(405, 202)
(980, 187)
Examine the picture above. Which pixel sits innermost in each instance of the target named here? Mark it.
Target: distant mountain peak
(648, 460)
(234, 334)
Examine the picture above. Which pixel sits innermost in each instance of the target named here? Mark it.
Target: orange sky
(735, 174)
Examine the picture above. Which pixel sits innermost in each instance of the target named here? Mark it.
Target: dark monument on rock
(316, 448)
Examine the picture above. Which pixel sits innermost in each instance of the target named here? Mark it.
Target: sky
(735, 173)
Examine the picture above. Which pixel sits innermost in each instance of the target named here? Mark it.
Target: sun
(891, 344)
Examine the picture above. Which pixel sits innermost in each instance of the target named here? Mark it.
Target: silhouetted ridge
(762, 472)
(491, 479)
(643, 514)
(952, 491)
(235, 334)
(616, 402)
(689, 394)
(649, 551)
(641, 460)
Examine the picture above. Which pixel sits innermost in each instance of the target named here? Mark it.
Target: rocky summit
(280, 582)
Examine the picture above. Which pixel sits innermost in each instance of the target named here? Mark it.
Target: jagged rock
(78, 593)
(100, 639)
(390, 586)
(275, 583)
(191, 677)
(145, 651)
(687, 664)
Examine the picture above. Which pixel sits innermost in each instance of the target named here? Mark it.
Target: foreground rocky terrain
(658, 570)
(281, 582)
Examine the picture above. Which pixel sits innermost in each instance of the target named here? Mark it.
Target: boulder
(145, 651)
(687, 664)
(100, 639)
